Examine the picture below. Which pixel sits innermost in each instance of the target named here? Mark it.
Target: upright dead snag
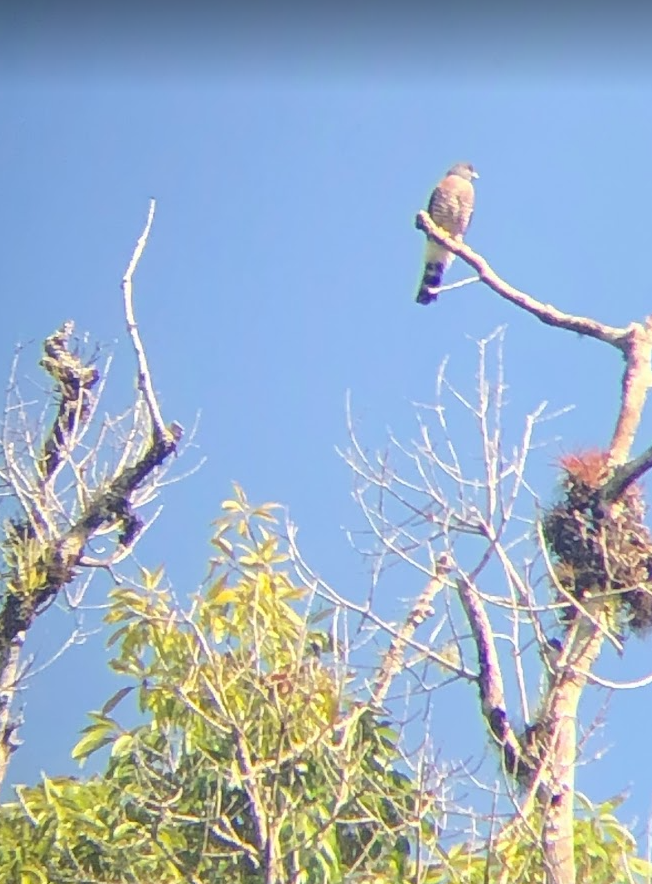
(70, 488)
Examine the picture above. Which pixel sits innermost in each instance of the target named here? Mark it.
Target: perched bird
(450, 207)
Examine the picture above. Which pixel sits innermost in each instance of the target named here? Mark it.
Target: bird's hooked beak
(474, 174)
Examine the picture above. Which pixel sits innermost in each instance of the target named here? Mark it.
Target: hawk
(450, 207)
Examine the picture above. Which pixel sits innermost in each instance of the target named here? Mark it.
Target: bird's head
(464, 170)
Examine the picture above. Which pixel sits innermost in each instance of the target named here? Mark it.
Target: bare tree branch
(144, 376)
(634, 342)
(546, 313)
(636, 382)
(66, 493)
(420, 611)
(584, 556)
(490, 679)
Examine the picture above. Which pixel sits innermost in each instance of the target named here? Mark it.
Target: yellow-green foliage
(252, 747)
(255, 758)
(23, 557)
(605, 852)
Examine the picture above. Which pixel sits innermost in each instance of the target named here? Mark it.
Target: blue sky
(282, 269)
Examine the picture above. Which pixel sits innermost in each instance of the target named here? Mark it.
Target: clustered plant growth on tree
(268, 748)
(601, 550)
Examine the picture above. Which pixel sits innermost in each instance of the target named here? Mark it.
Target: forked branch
(634, 342)
(544, 312)
(65, 492)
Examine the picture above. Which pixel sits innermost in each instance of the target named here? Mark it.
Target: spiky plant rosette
(601, 550)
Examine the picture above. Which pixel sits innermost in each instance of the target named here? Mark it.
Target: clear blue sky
(283, 263)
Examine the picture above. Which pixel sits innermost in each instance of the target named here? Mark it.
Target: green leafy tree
(255, 761)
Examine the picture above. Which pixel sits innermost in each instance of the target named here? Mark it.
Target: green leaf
(226, 597)
(95, 737)
(113, 638)
(122, 745)
(151, 579)
(100, 719)
(223, 545)
(124, 829)
(32, 875)
(596, 851)
(232, 506)
(613, 803)
(584, 801)
(113, 701)
(640, 866)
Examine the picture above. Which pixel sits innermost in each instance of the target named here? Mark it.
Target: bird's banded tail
(431, 281)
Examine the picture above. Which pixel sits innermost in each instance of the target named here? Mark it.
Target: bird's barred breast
(451, 204)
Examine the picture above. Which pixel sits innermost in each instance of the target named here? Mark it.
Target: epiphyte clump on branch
(601, 550)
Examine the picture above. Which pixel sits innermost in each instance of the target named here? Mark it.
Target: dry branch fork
(45, 544)
(584, 639)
